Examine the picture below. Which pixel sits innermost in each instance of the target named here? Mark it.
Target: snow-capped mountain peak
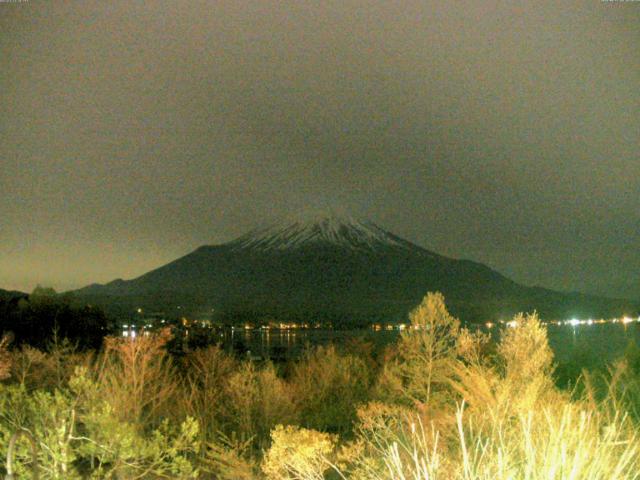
(320, 229)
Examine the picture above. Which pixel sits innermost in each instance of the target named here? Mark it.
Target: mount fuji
(333, 268)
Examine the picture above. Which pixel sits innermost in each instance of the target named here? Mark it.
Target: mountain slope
(333, 268)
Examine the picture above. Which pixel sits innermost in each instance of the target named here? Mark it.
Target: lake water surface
(588, 344)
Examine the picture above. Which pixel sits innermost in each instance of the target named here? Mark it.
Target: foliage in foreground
(445, 403)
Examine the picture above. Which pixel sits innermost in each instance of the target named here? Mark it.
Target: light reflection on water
(594, 344)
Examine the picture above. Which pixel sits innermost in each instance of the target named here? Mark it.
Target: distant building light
(512, 324)
(574, 322)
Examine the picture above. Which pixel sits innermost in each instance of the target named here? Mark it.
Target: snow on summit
(338, 230)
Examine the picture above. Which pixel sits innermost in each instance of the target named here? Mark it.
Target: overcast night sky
(504, 132)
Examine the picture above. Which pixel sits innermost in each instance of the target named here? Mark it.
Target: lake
(592, 345)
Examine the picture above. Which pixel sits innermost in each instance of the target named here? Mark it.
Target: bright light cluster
(573, 322)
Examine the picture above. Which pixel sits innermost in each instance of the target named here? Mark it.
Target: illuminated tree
(425, 355)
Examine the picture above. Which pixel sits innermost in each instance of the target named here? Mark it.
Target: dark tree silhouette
(34, 319)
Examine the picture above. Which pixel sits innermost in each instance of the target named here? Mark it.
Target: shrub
(561, 442)
(5, 358)
(257, 400)
(138, 378)
(229, 459)
(298, 454)
(389, 442)
(328, 386)
(206, 370)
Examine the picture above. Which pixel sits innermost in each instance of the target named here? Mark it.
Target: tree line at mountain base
(37, 318)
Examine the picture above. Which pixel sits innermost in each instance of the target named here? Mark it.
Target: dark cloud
(131, 133)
